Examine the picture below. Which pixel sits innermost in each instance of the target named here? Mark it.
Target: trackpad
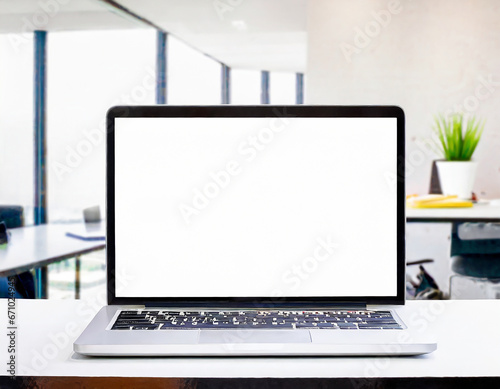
(254, 336)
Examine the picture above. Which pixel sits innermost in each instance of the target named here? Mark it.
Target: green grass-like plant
(457, 139)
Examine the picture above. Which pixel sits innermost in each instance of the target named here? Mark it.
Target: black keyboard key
(347, 326)
(305, 325)
(327, 325)
(132, 317)
(352, 319)
(391, 327)
(167, 326)
(133, 322)
(121, 327)
(282, 325)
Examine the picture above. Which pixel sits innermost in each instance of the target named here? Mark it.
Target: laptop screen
(222, 207)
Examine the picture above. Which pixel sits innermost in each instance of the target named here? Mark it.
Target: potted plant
(457, 139)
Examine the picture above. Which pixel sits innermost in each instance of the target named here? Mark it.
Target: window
(245, 86)
(87, 73)
(193, 78)
(16, 122)
(282, 88)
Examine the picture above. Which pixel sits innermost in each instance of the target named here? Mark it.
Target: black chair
(13, 217)
(475, 255)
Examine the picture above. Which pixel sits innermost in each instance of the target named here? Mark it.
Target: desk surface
(41, 245)
(47, 329)
(479, 212)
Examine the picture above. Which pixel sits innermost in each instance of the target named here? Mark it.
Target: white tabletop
(41, 245)
(466, 348)
(482, 212)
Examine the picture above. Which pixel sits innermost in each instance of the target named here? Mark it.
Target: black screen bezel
(254, 111)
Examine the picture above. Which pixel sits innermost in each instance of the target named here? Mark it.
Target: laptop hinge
(300, 306)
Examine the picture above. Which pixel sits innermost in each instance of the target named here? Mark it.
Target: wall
(428, 56)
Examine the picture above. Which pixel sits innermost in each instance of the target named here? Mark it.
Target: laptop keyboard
(253, 319)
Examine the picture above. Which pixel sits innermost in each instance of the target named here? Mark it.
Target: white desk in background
(477, 213)
(467, 332)
(36, 247)
(440, 252)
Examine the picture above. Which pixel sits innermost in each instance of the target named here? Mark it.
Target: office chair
(92, 214)
(475, 257)
(424, 287)
(13, 217)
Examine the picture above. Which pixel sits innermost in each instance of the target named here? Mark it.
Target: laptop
(255, 231)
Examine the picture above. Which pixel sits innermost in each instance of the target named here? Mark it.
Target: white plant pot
(457, 177)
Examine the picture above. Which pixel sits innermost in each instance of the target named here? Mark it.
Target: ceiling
(24, 16)
(247, 34)
(260, 34)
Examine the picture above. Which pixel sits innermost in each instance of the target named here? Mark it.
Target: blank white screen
(255, 207)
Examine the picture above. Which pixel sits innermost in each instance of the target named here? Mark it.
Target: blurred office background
(426, 56)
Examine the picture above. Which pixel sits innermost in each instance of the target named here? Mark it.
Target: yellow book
(438, 201)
